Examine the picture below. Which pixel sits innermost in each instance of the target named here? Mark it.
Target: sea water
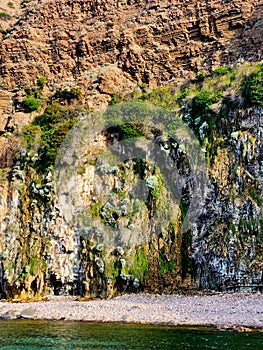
(42, 335)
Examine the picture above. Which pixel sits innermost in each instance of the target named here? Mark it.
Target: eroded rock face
(113, 228)
(151, 42)
(105, 47)
(228, 248)
(121, 241)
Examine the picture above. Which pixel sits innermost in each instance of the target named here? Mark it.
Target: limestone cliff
(98, 214)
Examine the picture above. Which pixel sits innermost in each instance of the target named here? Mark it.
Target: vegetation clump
(33, 100)
(222, 70)
(74, 93)
(41, 82)
(49, 130)
(31, 103)
(4, 15)
(253, 87)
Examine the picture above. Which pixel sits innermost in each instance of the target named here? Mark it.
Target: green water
(40, 335)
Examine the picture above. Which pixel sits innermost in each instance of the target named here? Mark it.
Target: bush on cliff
(51, 127)
(31, 103)
(253, 87)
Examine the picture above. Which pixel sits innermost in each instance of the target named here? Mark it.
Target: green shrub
(51, 116)
(5, 15)
(116, 98)
(46, 133)
(73, 94)
(51, 140)
(203, 100)
(163, 97)
(32, 134)
(183, 93)
(253, 87)
(95, 209)
(41, 82)
(51, 127)
(31, 103)
(221, 70)
(129, 131)
(76, 92)
(256, 196)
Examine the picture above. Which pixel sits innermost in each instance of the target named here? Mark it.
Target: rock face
(126, 232)
(153, 42)
(103, 229)
(80, 43)
(229, 243)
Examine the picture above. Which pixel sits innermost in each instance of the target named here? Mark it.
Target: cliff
(161, 192)
(109, 46)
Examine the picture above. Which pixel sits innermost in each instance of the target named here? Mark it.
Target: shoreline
(236, 311)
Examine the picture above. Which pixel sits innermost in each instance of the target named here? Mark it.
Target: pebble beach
(224, 311)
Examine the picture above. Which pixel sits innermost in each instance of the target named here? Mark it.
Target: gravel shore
(238, 311)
